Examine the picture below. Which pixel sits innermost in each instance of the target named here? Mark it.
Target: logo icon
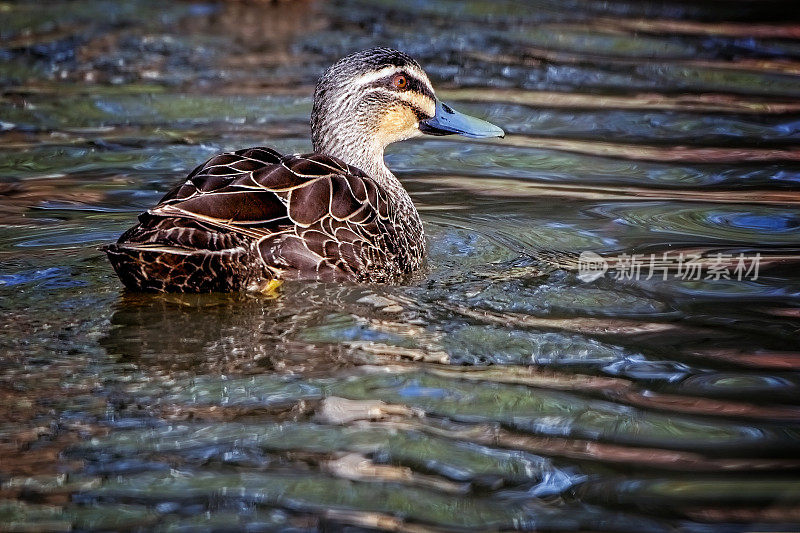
(591, 266)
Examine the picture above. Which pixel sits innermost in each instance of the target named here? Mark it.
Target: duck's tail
(163, 268)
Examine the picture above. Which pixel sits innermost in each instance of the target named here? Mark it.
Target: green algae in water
(310, 492)
(394, 445)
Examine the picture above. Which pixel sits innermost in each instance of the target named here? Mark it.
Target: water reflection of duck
(245, 219)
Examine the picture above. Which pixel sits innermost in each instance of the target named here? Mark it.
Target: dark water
(496, 391)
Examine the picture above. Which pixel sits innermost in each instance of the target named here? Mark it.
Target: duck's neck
(366, 156)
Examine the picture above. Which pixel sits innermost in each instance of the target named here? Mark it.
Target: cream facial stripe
(422, 105)
(369, 77)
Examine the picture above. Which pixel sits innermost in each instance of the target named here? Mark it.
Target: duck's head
(375, 97)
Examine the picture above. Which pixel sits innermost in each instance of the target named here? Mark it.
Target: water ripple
(756, 225)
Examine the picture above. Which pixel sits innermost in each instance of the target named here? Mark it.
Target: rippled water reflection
(495, 391)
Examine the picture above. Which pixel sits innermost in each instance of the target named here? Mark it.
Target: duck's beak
(447, 121)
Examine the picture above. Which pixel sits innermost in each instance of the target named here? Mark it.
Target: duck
(249, 219)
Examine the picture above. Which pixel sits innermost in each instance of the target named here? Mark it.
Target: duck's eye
(399, 81)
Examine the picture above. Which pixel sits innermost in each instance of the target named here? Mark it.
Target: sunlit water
(498, 390)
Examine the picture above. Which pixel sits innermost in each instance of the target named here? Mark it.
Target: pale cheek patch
(397, 121)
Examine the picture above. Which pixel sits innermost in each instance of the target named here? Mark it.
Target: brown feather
(246, 207)
(344, 204)
(310, 203)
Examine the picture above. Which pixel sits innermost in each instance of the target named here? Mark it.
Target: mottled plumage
(250, 216)
(246, 218)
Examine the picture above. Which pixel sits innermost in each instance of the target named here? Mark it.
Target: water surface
(498, 389)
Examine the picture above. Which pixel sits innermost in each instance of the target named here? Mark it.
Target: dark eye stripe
(417, 85)
(414, 84)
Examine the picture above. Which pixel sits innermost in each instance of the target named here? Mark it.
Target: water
(498, 390)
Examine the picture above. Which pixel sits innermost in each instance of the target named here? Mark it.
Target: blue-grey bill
(447, 121)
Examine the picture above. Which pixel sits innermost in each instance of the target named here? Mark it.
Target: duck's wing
(305, 216)
(223, 194)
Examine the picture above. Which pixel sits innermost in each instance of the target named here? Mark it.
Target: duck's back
(247, 217)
